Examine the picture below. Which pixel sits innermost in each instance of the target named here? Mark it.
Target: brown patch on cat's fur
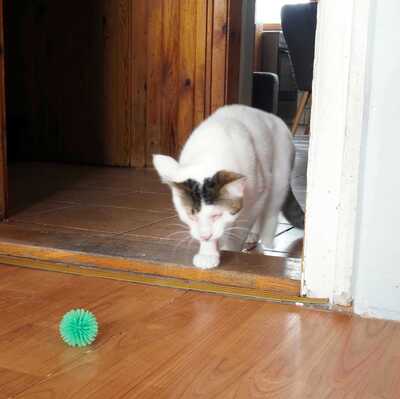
(190, 194)
(212, 192)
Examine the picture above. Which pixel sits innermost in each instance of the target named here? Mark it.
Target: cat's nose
(205, 237)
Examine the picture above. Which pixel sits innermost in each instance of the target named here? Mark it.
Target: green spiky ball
(78, 327)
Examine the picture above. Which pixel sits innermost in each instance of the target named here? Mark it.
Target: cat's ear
(231, 183)
(166, 167)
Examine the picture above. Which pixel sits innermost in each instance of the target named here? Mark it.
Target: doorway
(284, 40)
(87, 105)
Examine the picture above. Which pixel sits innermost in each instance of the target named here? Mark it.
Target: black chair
(265, 91)
(299, 23)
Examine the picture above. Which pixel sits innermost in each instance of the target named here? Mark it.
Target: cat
(232, 180)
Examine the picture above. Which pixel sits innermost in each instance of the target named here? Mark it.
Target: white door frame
(337, 120)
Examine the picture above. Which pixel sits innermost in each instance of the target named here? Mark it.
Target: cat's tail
(292, 210)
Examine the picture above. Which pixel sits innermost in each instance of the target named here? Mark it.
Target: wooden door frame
(3, 146)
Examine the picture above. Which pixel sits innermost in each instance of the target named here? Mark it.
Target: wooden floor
(165, 343)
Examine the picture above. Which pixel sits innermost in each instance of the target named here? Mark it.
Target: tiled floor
(118, 201)
(123, 219)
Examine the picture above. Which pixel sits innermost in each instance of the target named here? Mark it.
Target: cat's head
(208, 206)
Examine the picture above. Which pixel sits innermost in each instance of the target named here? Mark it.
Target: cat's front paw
(206, 261)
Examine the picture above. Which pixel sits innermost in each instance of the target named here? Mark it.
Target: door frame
(337, 122)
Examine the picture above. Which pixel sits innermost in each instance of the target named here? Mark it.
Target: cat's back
(234, 135)
(254, 119)
(216, 135)
(233, 120)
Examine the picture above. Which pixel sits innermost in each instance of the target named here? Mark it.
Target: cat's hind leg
(270, 214)
(254, 234)
(247, 229)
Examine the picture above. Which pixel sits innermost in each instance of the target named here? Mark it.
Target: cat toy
(78, 327)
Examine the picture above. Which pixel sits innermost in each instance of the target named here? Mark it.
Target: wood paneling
(170, 75)
(117, 95)
(3, 155)
(186, 63)
(118, 80)
(233, 53)
(219, 49)
(68, 82)
(139, 110)
(187, 60)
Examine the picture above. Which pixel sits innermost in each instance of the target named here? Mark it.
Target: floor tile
(97, 218)
(150, 201)
(30, 209)
(284, 241)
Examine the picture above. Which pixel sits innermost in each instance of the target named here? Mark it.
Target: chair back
(299, 23)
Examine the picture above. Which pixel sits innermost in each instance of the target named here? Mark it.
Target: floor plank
(166, 343)
(12, 383)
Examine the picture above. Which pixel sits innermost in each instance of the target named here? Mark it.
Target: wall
(377, 264)
(112, 82)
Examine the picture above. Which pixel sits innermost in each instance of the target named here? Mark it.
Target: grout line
(147, 225)
(44, 212)
(27, 221)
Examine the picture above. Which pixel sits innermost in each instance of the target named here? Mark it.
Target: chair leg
(307, 131)
(300, 110)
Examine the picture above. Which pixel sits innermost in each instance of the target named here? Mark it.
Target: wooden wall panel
(200, 89)
(187, 60)
(233, 50)
(117, 96)
(169, 93)
(139, 110)
(69, 86)
(219, 54)
(117, 81)
(3, 155)
(183, 48)
(154, 77)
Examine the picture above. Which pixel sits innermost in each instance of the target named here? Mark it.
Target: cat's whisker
(178, 224)
(181, 242)
(176, 232)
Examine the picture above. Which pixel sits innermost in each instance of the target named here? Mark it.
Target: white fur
(238, 139)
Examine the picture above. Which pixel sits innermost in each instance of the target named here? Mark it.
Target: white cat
(232, 179)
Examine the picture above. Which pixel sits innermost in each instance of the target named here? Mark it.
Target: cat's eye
(216, 216)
